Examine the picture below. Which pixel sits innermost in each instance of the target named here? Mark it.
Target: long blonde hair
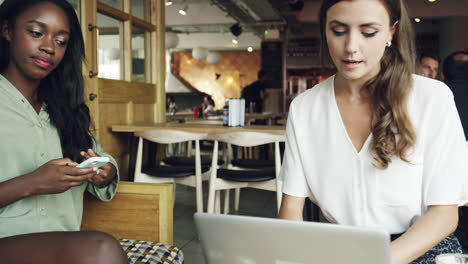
(393, 132)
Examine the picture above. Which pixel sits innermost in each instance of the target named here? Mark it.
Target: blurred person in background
(428, 65)
(254, 93)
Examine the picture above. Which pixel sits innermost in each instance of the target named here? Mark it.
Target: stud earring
(389, 43)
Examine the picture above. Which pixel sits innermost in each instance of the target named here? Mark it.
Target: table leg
(132, 158)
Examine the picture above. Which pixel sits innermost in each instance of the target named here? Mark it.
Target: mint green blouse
(27, 141)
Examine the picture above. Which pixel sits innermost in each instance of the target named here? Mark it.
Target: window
(139, 62)
(109, 47)
(124, 40)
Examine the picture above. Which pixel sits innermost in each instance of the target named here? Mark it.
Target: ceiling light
(417, 19)
(431, 1)
(234, 41)
(168, 3)
(183, 11)
(249, 49)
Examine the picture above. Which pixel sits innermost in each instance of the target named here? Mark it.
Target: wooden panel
(116, 91)
(138, 211)
(143, 113)
(112, 12)
(115, 144)
(143, 24)
(88, 17)
(158, 57)
(118, 144)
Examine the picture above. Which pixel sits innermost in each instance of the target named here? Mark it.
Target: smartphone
(93, 162)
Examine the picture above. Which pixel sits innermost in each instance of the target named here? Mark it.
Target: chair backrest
(138, 211)
(247, 138)
(168, 136)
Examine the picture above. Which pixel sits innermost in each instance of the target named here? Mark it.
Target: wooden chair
(229, 178)
(162, 173)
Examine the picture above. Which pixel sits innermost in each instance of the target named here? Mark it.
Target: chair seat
(189, 161)
(139, 251)
(253, 164)
(247, 175)
(172, 171)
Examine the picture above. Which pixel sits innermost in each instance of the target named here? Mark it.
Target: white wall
(173, 85)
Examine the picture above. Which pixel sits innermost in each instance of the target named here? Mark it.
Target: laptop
(233, 239)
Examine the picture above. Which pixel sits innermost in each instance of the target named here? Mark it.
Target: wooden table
(191, 127)
(195, 127)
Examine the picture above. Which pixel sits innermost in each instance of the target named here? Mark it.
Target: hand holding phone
(93, 162)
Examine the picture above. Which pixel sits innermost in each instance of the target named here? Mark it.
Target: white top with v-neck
(322, 163)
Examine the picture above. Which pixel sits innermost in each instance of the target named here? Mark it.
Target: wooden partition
(138, 211)
(123, 102)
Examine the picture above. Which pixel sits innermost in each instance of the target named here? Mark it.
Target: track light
(168, 3)
(183, 11)
(234, 41)
(236, 29)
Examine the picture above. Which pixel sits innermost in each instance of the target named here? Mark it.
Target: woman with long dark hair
(375, 145)
(45, 133)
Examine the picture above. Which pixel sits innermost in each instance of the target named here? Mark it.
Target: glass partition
(109, 47)
(139, 70)
(141, 9)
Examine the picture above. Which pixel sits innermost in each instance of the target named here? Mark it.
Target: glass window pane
(109, 48)
(141, 9)
(114, 3)
(138, 55)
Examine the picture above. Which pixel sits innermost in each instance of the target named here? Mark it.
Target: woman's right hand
(57, 176)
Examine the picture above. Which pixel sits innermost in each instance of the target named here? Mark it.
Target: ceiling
(207, 17)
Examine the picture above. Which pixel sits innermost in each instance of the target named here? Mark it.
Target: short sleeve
(292, 170)
(445, 156)
(105, 193)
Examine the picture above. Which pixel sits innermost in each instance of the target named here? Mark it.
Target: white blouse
(321, 162)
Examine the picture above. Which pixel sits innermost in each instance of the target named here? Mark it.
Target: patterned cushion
(139, 251)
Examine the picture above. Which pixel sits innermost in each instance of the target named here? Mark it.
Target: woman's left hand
(104, 174)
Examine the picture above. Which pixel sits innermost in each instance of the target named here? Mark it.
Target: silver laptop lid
(235, 239)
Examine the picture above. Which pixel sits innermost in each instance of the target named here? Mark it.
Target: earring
(389, 43)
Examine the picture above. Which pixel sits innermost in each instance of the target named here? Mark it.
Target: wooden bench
(140, 213)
